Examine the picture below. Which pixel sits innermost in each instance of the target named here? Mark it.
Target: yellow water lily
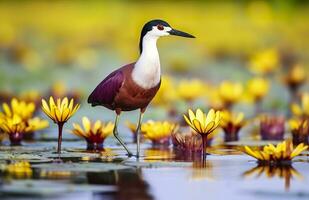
(30, 96)
(257, 88)
(231, 123)
(299, 125)
(230, 92)
(159, 132)
(303, 109)
(21, 108)
(131, 126)
(203, 124)
(284, 151)
(93, 132)
(296, 76)
(166, 94)
(300, 130)
(60, 112)
(15, 127)
(14, 124)
(264, 62)
(190, 90)
(35, 124)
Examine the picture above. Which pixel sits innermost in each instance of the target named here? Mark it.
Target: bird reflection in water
(129, 183)
(286, 172)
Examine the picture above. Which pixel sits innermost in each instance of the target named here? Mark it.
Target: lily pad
(42, 188)
(81, 167)
(252, 143)
(157, 164)
(24, 149)
(71, 155)
(28, 157)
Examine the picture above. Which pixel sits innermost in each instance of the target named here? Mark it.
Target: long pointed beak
(180, 33)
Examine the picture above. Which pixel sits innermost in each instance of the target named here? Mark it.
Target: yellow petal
(45, 106)
(7, 109)
(187, 120)
(51, 102)
(191, 115)
(298, 150)
(250, 152)
(86, 124)
(209, 127)
(200, 116)
(197, 125)
(210, 116)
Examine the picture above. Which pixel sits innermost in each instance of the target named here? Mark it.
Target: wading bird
(134, 85)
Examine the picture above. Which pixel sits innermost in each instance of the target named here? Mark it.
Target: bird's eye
(160, 27)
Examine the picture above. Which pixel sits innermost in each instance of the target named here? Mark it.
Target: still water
(160, 174)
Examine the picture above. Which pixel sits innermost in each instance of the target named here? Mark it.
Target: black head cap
(148, 27)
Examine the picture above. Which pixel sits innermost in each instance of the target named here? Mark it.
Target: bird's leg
(138, 132)
(115, 132)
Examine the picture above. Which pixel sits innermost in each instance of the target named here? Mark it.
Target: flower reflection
(202, 170)
(18, 170)
(55, 175)
(107, 155)
(154, 154)
(283, 172)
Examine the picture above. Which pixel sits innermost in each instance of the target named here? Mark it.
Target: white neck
(147, 70)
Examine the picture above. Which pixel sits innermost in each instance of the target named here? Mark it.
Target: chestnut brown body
(118, 91)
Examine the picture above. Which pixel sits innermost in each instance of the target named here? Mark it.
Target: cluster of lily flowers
(18, 119)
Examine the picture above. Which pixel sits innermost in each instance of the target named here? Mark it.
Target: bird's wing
(106, 91)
